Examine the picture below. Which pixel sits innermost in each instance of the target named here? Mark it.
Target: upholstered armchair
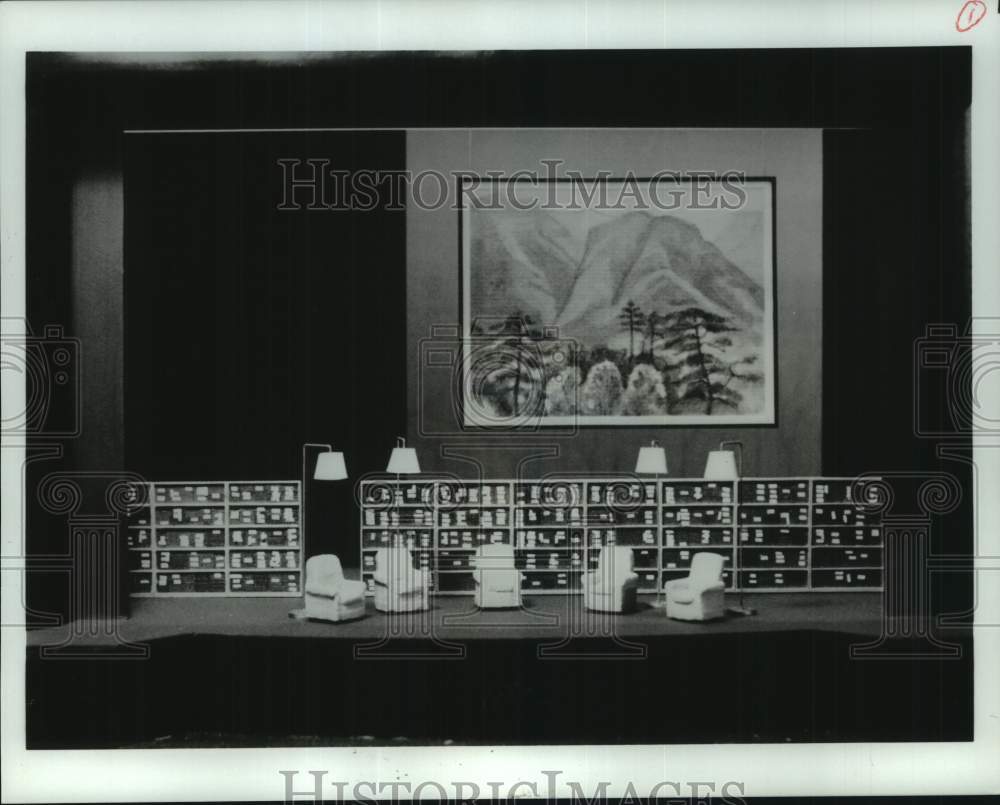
(498, 582)
(613, 586)
(399, 586)
(329, 596)
(701, 596)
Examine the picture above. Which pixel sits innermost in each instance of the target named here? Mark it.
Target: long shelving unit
(789, 534)
(216, 538)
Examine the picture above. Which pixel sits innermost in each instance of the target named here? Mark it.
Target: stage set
(640, 446)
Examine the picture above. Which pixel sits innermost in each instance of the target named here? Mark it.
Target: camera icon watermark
(49, 367)
(954, 376)
(505, 375)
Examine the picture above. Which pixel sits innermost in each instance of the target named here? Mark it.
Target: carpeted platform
(238, 672)
(543, 617)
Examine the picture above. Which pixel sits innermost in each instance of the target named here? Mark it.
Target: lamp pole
(305, 514)
(652, 460)
(740, 609)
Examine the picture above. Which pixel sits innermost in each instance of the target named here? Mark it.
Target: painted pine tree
(632, 319)
(699, 340)
(651, 332)
(515, 379)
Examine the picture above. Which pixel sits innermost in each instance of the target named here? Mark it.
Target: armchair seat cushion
(504, 588)
(352, 591)
(682, 596)
(500, 580)
(325, 587)
(411, 581)
(596, 581)
(329, 587)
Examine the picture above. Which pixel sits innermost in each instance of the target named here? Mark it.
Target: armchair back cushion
(393, 563)
(495, 557)
(614, 564)
(324, 566)
(706, 569)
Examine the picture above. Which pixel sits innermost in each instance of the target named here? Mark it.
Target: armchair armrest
(325, 586)
(352, 591)
(413, 580)
(602, 581)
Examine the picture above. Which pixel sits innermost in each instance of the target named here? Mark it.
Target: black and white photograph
(404, 405)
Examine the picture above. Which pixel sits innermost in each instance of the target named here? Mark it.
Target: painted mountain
(644, 292)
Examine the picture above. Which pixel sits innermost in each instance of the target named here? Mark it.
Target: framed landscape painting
(615, 302)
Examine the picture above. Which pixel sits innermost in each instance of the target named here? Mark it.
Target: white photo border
(298, 25)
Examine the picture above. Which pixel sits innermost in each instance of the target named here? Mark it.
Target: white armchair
(399, 586)
(701, 596)
(498, 581)
(613, 586)
(329, 596)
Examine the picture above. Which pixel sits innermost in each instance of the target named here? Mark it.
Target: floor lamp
(722, 466)
(652, 460)
(402, 461)
(330, 466)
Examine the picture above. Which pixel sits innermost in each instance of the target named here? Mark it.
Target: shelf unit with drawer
(773, 533)
(697, 515)
(845, 539)
(217, 539)
(550, 534)
(783, 534)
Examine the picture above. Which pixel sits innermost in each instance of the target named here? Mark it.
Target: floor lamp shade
(330, 466)
(652, 460)
(721, 466)
(403, 461)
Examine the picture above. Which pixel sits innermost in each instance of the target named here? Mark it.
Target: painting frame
(475, 341)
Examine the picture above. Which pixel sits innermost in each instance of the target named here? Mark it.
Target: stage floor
(241, 672)
(456, 617)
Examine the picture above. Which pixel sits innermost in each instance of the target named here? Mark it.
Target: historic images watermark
(311, 184)
(315, 787)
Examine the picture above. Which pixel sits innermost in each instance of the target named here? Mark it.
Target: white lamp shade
(330, 466)
(652, 460)
(721, 466)
(403, 461)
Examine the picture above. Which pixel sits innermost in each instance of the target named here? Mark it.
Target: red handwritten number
(971, 15)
